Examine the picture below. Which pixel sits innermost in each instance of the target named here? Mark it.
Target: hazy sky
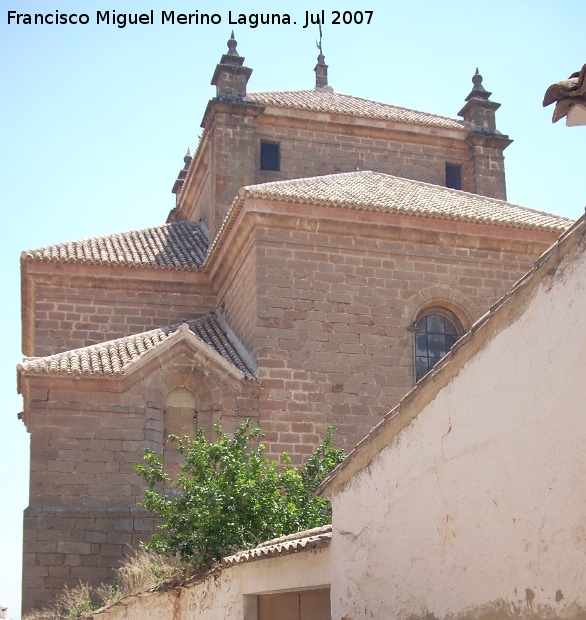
(96, 120)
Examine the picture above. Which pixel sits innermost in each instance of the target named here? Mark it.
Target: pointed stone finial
(478, 91)
(477, 79)
(479, 110)
(232, 43)
(230, 77)
(182, 174)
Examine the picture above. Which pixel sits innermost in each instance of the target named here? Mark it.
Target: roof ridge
(461, 192)
(309, 540)
(314, 531)
(338, 103)
(365, 99)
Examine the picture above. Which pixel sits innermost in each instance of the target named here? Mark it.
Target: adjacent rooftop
(373, 191)
(308, 540)
(178, 245)
(114, 358)
(335, 103)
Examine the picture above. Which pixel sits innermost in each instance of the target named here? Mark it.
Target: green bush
(229, 496)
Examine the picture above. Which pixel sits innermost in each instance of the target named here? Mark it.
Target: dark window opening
(434, 336)
(453, 176)
(269, 156)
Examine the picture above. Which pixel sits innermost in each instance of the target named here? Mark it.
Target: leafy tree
(229, 496)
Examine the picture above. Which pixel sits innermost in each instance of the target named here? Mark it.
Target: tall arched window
(436, 330)
(180, 418)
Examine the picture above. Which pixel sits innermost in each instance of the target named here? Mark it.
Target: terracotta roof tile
(335, 103)
(178, 245)
(114, 357)
(316, 538)
(373, 191)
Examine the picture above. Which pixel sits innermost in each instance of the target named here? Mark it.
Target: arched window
(436, 330)
(179, 418)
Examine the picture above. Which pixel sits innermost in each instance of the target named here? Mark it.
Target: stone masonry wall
(334, 344)
(82, 515)
(313, 144)
(489, 169)
(86, 436)
(72, 315)
(239, 298)
(310, 148)
(233, 139)
(63, 546)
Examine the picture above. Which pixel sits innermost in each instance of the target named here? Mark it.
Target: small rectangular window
(453, 176)
(269, 156)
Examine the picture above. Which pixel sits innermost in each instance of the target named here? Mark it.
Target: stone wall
(238, 297)
(86, 436)
(73, 311)
(488, 165)
(335, 343)
(317, 143)
(63, 546)
(313, 147)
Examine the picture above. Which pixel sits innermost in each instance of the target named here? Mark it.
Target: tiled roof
(113, 358)
(335, 103)
(178, 245)
(316, 538)
(373, 191)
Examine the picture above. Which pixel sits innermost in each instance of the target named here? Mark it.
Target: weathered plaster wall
(230, 593)
(476, 508)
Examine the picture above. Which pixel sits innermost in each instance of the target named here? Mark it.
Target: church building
(324, 253)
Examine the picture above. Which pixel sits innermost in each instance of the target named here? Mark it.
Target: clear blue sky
(96, 120)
